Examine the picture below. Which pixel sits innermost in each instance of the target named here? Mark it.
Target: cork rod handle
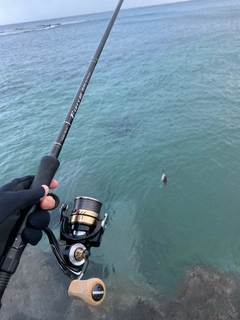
(92, 291)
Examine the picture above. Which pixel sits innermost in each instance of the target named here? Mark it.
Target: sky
(15, 11)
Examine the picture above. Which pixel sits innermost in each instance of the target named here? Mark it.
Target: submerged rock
(206, 293)
(121, 127)
(38, 290)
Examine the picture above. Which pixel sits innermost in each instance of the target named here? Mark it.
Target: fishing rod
(81, 229)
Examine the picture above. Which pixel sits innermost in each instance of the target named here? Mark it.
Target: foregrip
(46, 171)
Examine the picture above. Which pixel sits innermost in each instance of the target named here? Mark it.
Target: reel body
(79, 231)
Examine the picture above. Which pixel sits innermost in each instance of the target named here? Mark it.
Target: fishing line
(86, 141)
(79, 232)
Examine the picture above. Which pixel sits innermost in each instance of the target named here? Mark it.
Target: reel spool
(79, 231)
(85, 215)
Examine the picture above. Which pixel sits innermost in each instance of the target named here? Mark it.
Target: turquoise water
(165, 95)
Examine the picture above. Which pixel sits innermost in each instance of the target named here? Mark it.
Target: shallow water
(164, 97)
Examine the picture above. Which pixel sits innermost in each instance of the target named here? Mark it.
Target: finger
(53, 184)
(18, 184)
(55, 198)
(46, 188)
(15, 201)
(47, 203)
(32, 236)
(38, 219)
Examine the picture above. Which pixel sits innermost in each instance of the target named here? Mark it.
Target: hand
(48, 202)
(14, 198)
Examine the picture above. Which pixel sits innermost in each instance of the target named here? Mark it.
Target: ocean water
(164, 97)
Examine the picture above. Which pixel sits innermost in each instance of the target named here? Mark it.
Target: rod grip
(46, 171)
(4, 279)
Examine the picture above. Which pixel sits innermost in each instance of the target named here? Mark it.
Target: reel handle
(92, 291)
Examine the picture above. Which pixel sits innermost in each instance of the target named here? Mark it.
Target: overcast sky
(14, 11)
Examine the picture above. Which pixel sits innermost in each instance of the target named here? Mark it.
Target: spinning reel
(79, 231)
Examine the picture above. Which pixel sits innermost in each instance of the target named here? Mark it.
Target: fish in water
(164, 177)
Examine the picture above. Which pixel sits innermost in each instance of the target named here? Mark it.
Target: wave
(73, 22)
(40, 27)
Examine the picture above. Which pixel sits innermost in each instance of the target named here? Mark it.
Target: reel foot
(92, 291)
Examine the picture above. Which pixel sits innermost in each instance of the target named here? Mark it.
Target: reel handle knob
(92, 291)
